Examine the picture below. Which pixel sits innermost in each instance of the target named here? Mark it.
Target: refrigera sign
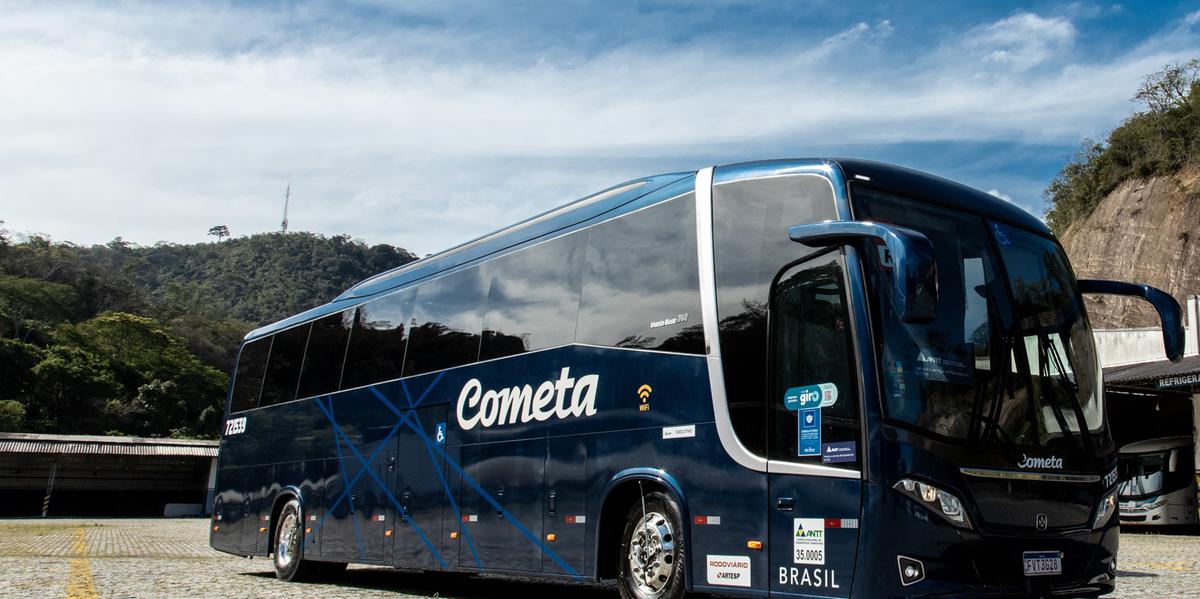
(522, 404)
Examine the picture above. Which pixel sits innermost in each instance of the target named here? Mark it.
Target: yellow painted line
(79, 581)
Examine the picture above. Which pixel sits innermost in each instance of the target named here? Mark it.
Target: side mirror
(914, 270)
(1168, 309)
(1173, 461)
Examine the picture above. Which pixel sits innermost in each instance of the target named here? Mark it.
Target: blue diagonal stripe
(449, 494)
(383, 486)
(508, 516)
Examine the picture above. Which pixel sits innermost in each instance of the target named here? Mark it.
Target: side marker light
(551, 537)
(756, 545)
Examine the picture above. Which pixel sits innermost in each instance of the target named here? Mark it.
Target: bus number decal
(808, 543)
(235, 426)
(522, 404)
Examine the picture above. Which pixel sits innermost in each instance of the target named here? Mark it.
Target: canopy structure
(1161, 375)
(80, 475)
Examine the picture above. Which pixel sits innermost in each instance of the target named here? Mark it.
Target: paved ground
(170, 558)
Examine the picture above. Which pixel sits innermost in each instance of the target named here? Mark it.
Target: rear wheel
(651, 558)
(288, 560)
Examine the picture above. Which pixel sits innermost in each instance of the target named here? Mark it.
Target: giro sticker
(810, 396)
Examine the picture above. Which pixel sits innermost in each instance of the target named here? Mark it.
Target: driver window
(814, 407)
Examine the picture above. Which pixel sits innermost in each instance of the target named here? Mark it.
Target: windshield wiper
(1050, 351)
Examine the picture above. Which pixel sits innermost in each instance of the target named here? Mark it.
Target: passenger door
(814, 438)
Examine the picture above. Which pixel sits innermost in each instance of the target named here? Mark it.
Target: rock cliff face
(1145, 231)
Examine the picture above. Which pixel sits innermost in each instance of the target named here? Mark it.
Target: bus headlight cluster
(943, 503)
(1104, 511)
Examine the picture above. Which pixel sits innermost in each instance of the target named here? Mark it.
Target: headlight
(1104, 511)
(942, 503)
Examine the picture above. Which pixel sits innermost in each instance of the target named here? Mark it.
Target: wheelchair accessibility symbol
(440, 435)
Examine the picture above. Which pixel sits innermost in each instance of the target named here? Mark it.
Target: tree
(12, 416)
(1170, 88)
(25, 303)
(73, 388)
(219, 231)
(164, 386)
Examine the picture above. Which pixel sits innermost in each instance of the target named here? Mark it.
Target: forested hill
(123, 339)
(1128, 208)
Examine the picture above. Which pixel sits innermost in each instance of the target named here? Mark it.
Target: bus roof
(622, 198)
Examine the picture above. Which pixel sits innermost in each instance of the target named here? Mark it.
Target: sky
(424, 124)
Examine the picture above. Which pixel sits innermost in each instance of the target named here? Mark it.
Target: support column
(211, 493)
(49, 488)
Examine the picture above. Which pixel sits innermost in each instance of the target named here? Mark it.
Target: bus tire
(288, 556)
(651, 561)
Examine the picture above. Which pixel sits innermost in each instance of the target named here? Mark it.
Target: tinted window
(811, 354)
(247, 382)
(533, 297)
(447, 322)
(377, 342)
(750, 221)
(640, 281)
(283, 369)
(326, 351)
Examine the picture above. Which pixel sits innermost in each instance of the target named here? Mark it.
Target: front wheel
(652, 557)
(289, 546)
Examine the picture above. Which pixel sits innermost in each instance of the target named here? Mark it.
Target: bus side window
(322, 372)
(283, 368)
(378, 340)
(447, 322)
(641, 284)
(811, 353)
(533, 297)
(247, 382)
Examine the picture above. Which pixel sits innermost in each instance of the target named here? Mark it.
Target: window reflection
(326, 350)
(377, 342)
(641, 282)
(533, 297)
(447, 321)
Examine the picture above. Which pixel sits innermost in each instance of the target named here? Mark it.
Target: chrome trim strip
(716, 375)
(1022, 475)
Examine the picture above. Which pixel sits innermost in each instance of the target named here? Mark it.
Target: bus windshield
(1008, 358)
(1142, 475)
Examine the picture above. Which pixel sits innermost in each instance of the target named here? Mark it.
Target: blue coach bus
(820, 378)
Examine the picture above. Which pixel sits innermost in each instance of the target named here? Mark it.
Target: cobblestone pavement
(170, 558)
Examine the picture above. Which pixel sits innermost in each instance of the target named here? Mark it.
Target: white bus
(1158, 482)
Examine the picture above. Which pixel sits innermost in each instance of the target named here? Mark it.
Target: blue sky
(427, 123)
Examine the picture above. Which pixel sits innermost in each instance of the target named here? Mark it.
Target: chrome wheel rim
(288, 545)
(652, 554)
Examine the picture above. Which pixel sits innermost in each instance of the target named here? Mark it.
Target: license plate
(1042, 563)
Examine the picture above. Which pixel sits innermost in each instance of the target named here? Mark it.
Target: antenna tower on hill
(287, 196)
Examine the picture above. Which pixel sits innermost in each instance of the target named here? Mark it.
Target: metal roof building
(80, 475)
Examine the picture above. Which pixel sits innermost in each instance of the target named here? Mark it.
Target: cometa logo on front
(522, 404)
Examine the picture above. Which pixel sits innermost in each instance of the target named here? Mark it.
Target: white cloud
(1022, 41)
(1001, 195)
(157, 123)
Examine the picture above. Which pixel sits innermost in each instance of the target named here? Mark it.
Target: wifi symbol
(644, 392)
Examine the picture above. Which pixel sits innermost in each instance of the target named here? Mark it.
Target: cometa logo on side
(521, 403)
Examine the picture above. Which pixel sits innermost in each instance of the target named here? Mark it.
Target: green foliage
(120, 339)
(1158, 141)
(26, 303)
(12, 416)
